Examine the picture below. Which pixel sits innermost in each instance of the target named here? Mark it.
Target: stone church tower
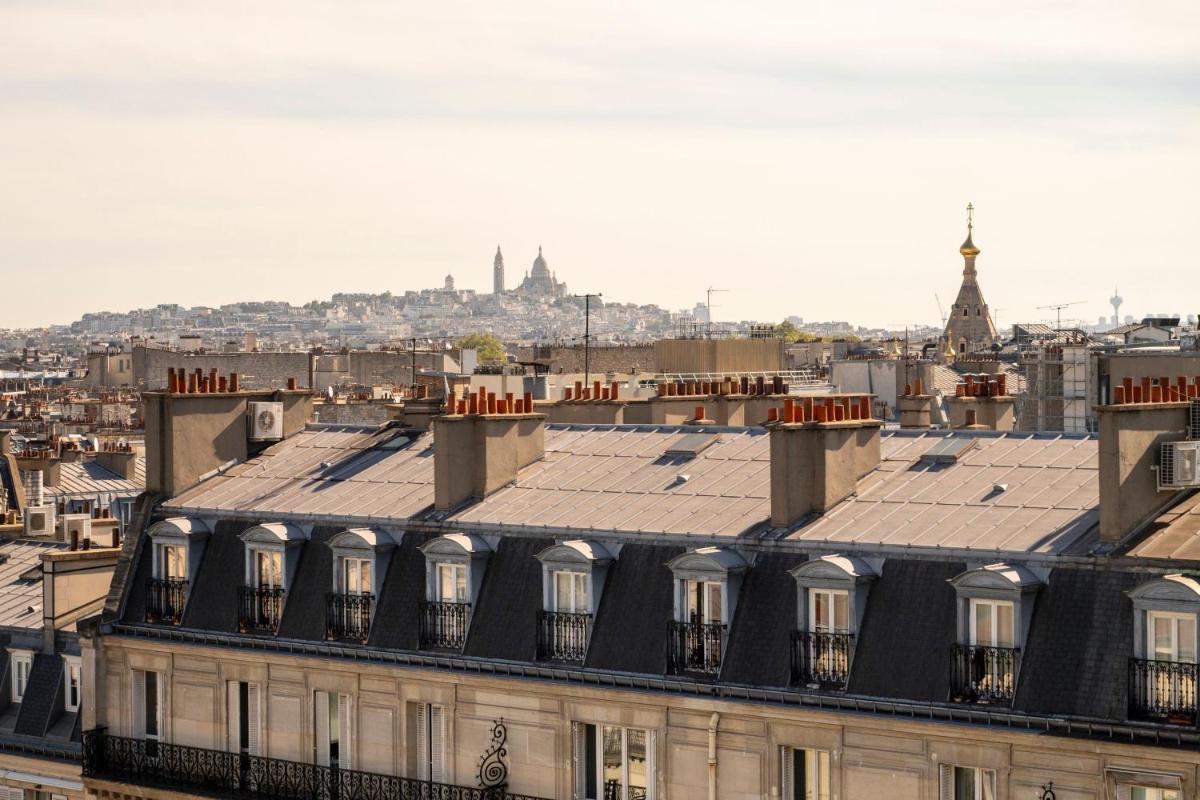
(969, 327)
(498, 273)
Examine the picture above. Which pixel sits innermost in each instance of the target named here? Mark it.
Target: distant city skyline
(812, 160)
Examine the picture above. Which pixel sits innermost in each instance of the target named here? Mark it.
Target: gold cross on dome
(970, 214)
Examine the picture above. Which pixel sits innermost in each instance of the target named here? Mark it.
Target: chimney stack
(476, 454)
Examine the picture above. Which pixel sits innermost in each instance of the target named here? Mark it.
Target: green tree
(487, 347)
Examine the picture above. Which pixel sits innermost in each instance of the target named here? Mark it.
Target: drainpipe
(712, 755)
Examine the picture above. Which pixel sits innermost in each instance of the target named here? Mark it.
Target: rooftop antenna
(1058, 308)
(587, 335)
(996, 317)
(710, 307)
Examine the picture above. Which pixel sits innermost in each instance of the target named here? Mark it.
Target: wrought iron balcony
(1162, 690)
(165, 599)
(260, 608)
(821, 659)
(444, 625)
(984, 674)
(695, 647)
(612, 791)
(217, 773)
(563, 636)
(348, 616)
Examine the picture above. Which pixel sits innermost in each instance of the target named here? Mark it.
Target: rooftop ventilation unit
(76, 525)
(39, 520)
(692, 444)
(1194, 419)
(266, 422)
(1179, 466)
(948, 450)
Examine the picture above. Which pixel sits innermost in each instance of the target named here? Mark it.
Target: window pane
(714, 603)
(151, 703)
(841, 611)
(611, 762)
(1004, 625)
(983, 624)
(695, 604)
(988, 785)
(460, 583)
(1187, 639)
(1163, 639)
(636, 744)
(562, 591)
(820, 610)
(964, 783)
(581, 598)
(365, 577)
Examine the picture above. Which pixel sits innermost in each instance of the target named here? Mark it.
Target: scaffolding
(1056, 389)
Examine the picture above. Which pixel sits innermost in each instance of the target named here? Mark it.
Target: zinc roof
(20, 599)
(1175, 534)
(89, 478)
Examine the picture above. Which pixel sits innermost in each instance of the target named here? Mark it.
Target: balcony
(821, 660)
(1164, 691)
(563, 636)
(165, 599)
(986, 675)
(348, 616)
(260, 609)
(444, 625)
(695, 647)
(194, 770)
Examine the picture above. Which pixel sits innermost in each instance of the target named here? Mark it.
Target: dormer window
(706, 587)
(572, 579)
(995, 605)
(832, 595)
(455, 565)
(272, 551)
(1163, 670)
(176, 547)
(360, 558)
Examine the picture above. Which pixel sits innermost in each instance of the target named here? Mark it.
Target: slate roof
(42, 702)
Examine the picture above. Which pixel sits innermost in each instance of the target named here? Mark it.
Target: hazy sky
(814, 158)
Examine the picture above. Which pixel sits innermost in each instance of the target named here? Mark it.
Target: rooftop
(88, 478)
(20, 597)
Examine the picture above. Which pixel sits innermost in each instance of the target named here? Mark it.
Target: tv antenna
(710, 307)
(1058, 307)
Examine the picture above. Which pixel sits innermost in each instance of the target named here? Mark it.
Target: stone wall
(621, 359)
(255, 370)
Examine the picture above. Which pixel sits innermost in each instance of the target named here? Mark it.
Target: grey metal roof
(21, 599)
(88, 478)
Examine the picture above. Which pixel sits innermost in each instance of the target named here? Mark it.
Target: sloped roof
(90, 478)
(21, 598)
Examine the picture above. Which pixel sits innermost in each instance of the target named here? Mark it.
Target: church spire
(968, 249)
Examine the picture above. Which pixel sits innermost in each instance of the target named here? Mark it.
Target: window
(805, 774)
(266, 568)
(1149, 793)
(74, 681)
(332, 718)
(702, 601)
(569, 592)
(828, 611)
(243, 730)
(172, 562)
(965, 783)
(450, 583)
(991, 623)
(613, 763)
(356, 576)
(21, 663)
(429, 743)
(1171, 636)
(147, 705)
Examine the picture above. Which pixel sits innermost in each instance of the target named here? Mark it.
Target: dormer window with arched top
(360, 558)
(454, 567)
(995, 606)
(272, 553)
(572, 580)
(831, 594)
(707, 582)
(1163, 671)
(176, 546)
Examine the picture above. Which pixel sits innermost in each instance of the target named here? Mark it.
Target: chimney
(5, 443)
(476, 454)
(1131, 435)
(816, 465)
(916, 408)
(121, 462)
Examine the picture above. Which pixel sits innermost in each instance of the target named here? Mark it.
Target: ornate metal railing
(1162, 690)
(612, 791)
(348, 616)
(165, 599)
(984, 674)
(821, 659)
(444, 625)
(695, 647)
(563, 636)
(260, 608)
(223, 774)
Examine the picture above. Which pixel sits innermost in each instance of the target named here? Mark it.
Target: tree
(487, 347)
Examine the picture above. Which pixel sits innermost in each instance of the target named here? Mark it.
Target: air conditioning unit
(39, 520)
(76, 524)
(1179, 466)
(266, 422)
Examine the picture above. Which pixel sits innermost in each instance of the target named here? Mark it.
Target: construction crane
(941, 310)
(1058, 309)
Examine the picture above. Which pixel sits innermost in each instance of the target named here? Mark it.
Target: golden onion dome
(968, 247)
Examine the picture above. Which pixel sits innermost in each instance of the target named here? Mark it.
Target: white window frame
(138, 705)
(324, 703)
(161, 560)
(984, 781)
(579, 557)
(233, 717)
(818, 774)
(350, 574)
(579, 737)
(993, 606)
(253, 575)
(429, 742)
(460, 574)
(706, 589)
(832, 596)
(578, 599)
(1176, 618)
(72, 673)
(21, 667)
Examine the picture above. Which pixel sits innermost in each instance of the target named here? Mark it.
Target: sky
(812, 159)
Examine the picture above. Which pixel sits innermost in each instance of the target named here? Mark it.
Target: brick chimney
(916, 407)
(476, 454)
(1130, 439)
(121, 462)
(816, 465)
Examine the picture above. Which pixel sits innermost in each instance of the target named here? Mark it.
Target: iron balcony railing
(563, 636)
(821, 659)
(165, 599)
(348, 616)
(444, 625)
(1162, 690)
(984, 674)
(260, 608)
(695, 647)
(217, 773)
(613, 790)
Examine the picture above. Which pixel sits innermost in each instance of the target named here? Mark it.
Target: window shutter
(579, 756)
(14, 794)
(945, 782)
(651, 765)
(345, 718)
(233, 716)
(437, 744)
(252, 714)
(321, 722)
(1123, 792)
(139, 704)
(787, 780)
(422, 741)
